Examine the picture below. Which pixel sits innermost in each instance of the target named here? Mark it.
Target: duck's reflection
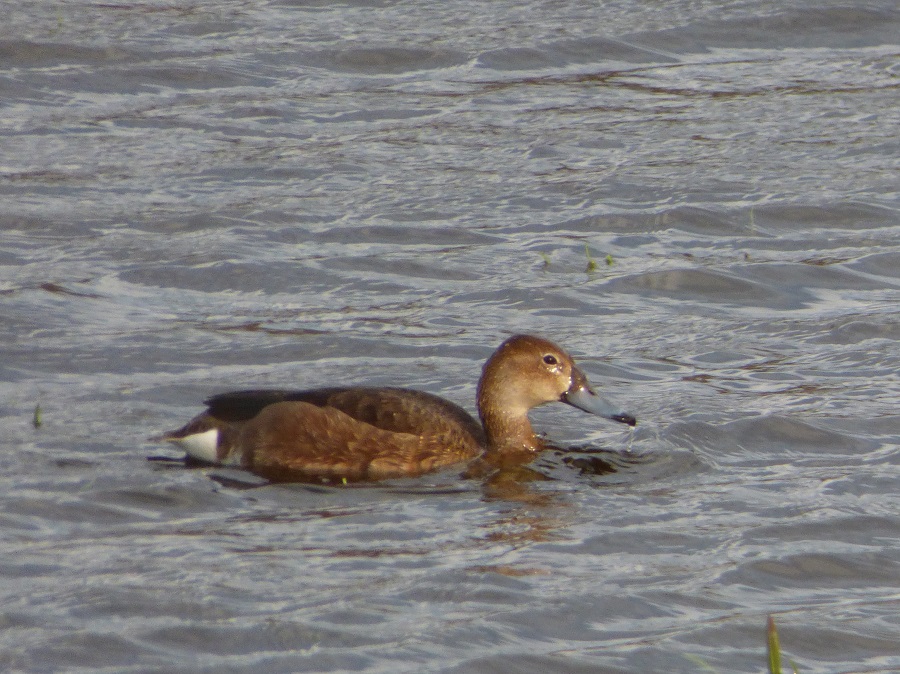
(533, 494)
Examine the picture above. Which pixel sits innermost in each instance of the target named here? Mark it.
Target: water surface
(698, 199)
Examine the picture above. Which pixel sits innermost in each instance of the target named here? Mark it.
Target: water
(199, 197)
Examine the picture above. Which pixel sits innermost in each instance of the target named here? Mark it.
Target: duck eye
(550, 360)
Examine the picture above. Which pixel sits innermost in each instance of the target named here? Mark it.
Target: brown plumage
(364, 433)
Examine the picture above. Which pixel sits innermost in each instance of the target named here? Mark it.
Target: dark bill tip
(585, 399)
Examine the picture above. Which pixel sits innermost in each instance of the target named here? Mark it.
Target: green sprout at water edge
(774, 650)
(591, 265)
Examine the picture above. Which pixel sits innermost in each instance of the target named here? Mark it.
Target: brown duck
(361, 433)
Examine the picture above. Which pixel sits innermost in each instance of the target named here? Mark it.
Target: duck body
(369, 433)
(354, 433)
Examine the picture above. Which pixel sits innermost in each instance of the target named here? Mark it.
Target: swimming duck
(364, 433)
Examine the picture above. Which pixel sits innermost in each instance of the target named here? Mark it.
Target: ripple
(386, 60)
(808, 27)
(688, 285)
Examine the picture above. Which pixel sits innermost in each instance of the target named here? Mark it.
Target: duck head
(525, 372)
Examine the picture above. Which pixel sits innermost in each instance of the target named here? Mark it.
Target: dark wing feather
(244, 405)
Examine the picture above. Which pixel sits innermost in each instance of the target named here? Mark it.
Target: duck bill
(582, 396)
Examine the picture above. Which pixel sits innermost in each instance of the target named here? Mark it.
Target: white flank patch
(201, 446)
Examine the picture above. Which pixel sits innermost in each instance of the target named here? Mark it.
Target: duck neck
(509, 433)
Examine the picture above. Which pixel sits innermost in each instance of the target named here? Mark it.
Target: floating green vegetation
(37, 419)
(591, 264)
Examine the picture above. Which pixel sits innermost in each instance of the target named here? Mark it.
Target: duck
(363, 433)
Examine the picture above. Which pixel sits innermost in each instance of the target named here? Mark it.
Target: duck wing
(396, 410)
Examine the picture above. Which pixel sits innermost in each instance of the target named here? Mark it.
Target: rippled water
(698, 199)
